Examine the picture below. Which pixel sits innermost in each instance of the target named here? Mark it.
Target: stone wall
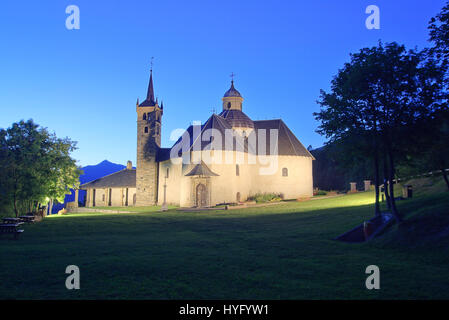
(148, 141)
(118, 197)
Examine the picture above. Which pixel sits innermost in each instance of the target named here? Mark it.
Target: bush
(266, 197)
(320, 193)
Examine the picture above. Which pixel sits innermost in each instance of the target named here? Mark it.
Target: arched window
(284, 172)
(229, 105)
(146, 129)
(144, 116)
(238, 197)
(149, 116)
(237, 170)
(168, 173)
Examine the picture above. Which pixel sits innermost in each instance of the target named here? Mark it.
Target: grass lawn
(278, 252)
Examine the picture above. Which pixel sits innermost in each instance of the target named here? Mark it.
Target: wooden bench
(10, 228)
(10, 220)
(28, 219)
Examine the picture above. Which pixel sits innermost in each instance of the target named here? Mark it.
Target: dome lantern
(232, 99)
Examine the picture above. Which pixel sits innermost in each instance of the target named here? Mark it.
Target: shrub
(321, 193)
(266, 197)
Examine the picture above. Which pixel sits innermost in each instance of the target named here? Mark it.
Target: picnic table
(10, 220)
(11, 228)
(27, 218)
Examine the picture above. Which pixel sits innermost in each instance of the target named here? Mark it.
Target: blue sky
(84, 83)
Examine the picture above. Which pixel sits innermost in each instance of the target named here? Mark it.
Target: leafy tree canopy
(377, 102)
(36, 166)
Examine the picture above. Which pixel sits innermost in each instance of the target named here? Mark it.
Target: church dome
(232, 92)
(237, 119)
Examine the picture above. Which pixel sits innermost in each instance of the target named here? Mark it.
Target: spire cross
(232, 76)
(213, 110)
(151, 64)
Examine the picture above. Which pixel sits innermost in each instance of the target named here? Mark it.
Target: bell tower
(149, 116)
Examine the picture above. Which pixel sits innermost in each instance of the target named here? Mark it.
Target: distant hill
(102, 169)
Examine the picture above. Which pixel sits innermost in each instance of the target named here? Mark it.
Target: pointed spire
(150, 93)
(162, 104)
(150, 101)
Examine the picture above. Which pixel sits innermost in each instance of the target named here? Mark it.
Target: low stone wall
(253, 205)
(81, 210)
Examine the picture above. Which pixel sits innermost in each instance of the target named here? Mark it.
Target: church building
(225, 160)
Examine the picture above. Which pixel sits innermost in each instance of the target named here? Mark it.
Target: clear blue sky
(84, 83)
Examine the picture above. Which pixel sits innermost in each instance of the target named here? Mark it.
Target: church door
(201, 195)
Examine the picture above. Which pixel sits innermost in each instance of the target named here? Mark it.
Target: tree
(432, 149)
(36, 166)
(375, 104)
(439, 33)
(436, 147)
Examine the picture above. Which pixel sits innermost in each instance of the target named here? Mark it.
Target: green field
(283, 251)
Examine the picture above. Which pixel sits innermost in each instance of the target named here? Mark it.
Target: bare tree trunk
(386, 184)
(15, 194)
(443, 171)
(394, 209)
(387, 193)
(50, 207)
(15, 205)
(376, 183)
(376, 170)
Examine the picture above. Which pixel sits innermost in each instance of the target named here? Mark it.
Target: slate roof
(237, 118)
(201, 169)
(288, 144)
(125, 178)
(197, 133)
